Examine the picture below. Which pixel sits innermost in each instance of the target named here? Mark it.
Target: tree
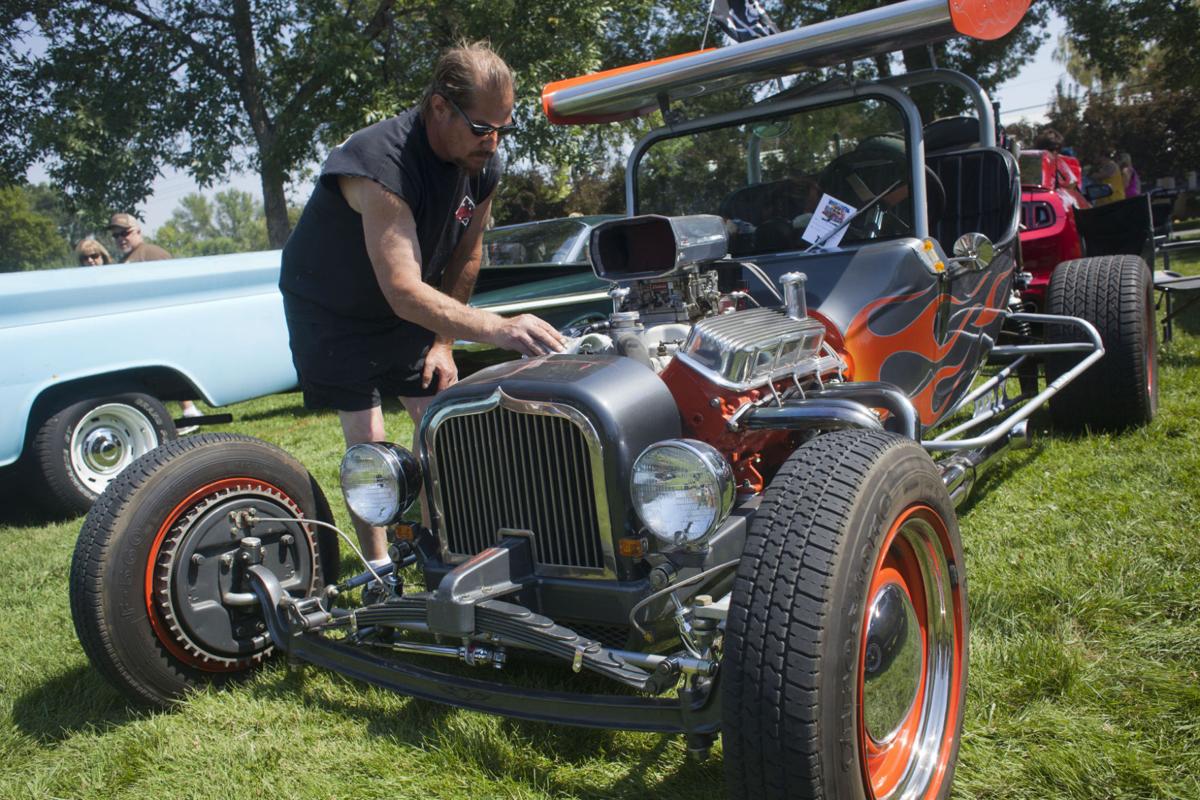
(1117, 37)
(122, 87)
(29, 239)
(231, 223)
(530, 194)
(109, 91)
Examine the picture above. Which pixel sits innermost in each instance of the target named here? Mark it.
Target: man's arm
(391, 239)
(458, 280)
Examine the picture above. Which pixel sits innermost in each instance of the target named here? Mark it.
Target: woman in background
(91, 253)
(1129, 175)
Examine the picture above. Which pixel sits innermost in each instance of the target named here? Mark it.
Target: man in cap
(377, 274)
(127, 233)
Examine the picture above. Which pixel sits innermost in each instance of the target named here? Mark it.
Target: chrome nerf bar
(1094, 349)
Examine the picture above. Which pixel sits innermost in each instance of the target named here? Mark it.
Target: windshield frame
(915, 142)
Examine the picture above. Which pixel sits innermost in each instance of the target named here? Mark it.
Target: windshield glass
(549, 242)
(789, 181)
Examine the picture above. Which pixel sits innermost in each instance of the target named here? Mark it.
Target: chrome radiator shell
(500, 464)
(746, 349)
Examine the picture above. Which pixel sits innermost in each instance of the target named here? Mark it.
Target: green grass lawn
(1084, 572)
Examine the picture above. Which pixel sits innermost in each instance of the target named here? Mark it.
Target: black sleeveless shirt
(325, 262)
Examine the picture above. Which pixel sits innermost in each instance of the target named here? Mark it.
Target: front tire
(1115, 294)
(152, 578)
(845, 667)
(80, 449)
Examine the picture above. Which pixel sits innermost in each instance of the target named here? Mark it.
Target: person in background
(127, 233)
(1129, 175)
(1109, 174)
(91, 253)
(1061, 172)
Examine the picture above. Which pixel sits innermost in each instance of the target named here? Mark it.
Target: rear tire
(148, 574)
(1114, 293)
(80, 449)
(845, 666)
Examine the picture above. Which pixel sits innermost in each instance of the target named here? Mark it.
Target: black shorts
(349, 364)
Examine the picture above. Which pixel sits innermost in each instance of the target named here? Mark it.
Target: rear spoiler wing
(638, 89)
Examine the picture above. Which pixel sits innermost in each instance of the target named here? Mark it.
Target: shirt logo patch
(466, 210)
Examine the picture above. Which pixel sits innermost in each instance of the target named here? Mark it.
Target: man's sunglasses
(478, 128)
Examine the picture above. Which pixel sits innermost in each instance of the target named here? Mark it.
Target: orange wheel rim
(910, 668)
(171, 639)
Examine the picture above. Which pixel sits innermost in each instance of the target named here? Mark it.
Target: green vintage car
(542, 268)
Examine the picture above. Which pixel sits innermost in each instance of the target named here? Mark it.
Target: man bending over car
(378, 271)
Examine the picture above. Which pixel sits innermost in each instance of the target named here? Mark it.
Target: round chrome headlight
(380, 481)
(682, 489)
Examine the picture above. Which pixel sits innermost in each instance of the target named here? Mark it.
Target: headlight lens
(682, 489)
(380, 481)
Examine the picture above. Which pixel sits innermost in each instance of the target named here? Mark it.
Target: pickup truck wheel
(1114, 293)
(158, 596)
(845, 666)
(80, 449)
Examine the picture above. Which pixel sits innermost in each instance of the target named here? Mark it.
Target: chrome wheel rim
(107, 440)
(911, 660)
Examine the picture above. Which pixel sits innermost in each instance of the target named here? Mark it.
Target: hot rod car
(733, 499)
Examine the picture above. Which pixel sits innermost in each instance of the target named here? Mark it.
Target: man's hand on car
(440, 359)
(528, 335)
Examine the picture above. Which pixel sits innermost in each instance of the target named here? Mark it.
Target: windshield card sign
(830, 213)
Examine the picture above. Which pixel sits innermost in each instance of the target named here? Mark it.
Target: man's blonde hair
(464, 69)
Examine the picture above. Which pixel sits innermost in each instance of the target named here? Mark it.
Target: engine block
(746, 349)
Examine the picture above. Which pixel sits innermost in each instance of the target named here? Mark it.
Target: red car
(1049, 235)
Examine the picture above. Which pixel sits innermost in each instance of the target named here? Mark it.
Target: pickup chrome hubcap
(911, 660)
(107, 440)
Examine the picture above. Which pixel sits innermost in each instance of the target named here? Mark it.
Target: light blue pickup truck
(88, 355)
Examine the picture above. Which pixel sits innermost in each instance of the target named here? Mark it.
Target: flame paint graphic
(932, 342)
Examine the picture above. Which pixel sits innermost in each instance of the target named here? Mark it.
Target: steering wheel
(876, 172)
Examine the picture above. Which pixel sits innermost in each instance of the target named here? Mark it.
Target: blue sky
(1026, 95)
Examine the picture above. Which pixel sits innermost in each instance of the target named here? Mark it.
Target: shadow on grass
(417, 723)
(77, 700)
(1178, 360)
(19, 505)
(297, 411)
(427, 724)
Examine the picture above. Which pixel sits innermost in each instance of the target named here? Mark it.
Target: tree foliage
(530, 194)
(1118, 37)
(1160, 129)
(29, 238)
(117, 88)
(232, 222)
(112, 90)
(108, 92)
(1139, 70)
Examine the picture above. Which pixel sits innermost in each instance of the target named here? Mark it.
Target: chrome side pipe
(961, 471)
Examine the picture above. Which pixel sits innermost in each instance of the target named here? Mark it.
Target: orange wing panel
(987, 19)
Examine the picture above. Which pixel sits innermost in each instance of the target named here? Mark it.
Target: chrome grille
(520, 466)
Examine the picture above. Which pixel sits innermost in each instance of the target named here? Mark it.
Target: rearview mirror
(974, 247)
